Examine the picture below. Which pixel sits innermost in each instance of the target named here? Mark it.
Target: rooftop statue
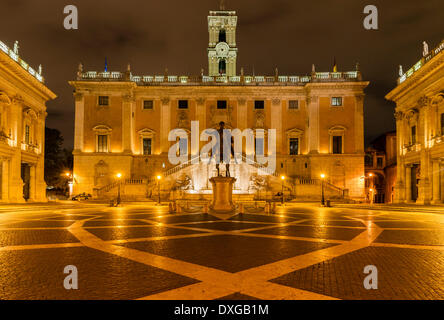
(425, 48)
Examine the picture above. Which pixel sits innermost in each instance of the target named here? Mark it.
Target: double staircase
(299, 188)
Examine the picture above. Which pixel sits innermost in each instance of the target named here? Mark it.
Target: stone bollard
(273, 210)
(171, 207)
(178, 208)
(241, 208)
(267, 207)
(205, 208)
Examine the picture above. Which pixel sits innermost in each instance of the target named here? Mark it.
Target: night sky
(288, 34)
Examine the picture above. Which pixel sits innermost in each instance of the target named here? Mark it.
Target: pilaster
(79, 125)
(313, 127)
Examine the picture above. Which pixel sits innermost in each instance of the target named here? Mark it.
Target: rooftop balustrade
(221, 80)
(424, 60)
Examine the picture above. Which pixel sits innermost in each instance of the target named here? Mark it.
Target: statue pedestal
(222, 194)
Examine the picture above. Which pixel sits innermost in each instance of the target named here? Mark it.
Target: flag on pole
(335, 66)
(106, 64)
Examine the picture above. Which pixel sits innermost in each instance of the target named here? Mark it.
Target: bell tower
(222, 50)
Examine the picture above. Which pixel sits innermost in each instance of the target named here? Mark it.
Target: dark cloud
(288, 34)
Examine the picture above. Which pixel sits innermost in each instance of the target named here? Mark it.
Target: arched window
(222, 67)
(222, 36)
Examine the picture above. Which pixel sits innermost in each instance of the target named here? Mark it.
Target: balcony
(29, 147)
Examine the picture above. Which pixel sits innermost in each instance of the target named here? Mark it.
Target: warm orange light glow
(119, 175)
(371, 190)
(159, 177)
(322, 176)
(370, 174)
(282, 177)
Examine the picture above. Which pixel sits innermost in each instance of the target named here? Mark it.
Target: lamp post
(159, 177)
(371, 184)
(372, 195)
(118, 176)
(70, 178)
(283, 179)
(322, 189)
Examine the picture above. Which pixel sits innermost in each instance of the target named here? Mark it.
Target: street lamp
(118, 176)
(70, 178)
(159, 177)
(283, 179)
(371, 184)
(322, 189)
(372, 196)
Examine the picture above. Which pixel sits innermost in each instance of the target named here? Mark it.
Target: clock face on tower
(222, 49)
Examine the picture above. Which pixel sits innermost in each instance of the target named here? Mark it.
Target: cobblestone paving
(143, 252)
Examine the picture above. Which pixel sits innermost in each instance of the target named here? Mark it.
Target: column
(79, 127)
(408, 183)
(400, 186)
(436, 182)
(424, 187)
(15, 179)
(5, 180)
(40, 184)
(32, 183)
(313, 128)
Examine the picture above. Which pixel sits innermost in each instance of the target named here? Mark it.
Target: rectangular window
(336, 101)
(27, 134)
(221, 104)
(103, 101)
(259, 147)
(148, 105)
(183, 146)
(294, 146)
(259, 104)
(442, 124)
(147, 146)
(413, 135)
(183, 104)
(379, 162)
(293, 105)
(102, 143)
(337, 144)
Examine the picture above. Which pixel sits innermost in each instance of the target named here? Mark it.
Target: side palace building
(419, 99)
(123, 121)
(23, 96)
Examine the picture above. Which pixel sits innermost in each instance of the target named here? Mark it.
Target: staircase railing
(260, 166)
(114, 184)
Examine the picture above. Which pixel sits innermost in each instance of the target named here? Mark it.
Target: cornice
(25, 78)
(408, 85)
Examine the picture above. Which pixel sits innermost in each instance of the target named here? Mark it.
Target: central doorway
(26, 177)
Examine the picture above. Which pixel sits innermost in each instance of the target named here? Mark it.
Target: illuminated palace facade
(419, 114)
(123, 121)
(22, 128)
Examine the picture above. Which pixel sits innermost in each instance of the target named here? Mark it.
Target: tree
(57, 160)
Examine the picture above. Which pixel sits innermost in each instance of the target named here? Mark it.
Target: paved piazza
(140, 251)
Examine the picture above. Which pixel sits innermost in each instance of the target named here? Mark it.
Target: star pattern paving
(141, 251)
